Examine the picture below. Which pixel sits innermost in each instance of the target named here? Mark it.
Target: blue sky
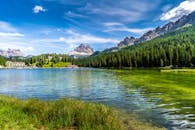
(58, 26)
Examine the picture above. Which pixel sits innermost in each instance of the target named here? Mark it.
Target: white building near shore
(10, 64)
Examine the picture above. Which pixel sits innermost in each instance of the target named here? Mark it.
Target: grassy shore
(56, 65)
(63, 114)
(178, 70)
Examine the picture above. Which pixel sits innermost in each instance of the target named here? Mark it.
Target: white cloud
(4, 26)
(71, 32)
(118, 13)
(184, 8)
(16, 45)
(7, 34)
(86, 38)
(166, 7)
(112, 24)
(125, 10)
(74, 15)
(77, 38)
(119, 27)
(57, 41)
(38, 9)
(7, 30)
(30, 48)
(61, 39)
(126, 29)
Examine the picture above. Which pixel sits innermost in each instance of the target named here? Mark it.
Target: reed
(63, 114)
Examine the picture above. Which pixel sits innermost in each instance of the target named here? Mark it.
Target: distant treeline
(47, 59)
(2, 61)
(173, 49)
(44, 60)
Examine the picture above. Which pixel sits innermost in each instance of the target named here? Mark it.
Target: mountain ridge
(171, 26)
(174, 49)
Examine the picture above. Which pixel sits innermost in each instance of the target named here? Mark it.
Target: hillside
(186, 20)
(176, 48)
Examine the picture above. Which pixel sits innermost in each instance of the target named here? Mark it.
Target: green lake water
(164, 99)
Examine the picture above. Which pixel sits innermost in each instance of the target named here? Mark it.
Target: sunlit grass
(56, 65)
(178, 70)
(65, 114)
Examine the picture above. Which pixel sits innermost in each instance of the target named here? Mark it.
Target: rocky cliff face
(127, 41)
(83, 50)
(185, 20)
(11, 53)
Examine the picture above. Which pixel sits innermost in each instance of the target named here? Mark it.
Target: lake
(164, 99)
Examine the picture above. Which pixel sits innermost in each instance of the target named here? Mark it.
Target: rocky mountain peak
(83, 50)
(11, 53)
(127, 41)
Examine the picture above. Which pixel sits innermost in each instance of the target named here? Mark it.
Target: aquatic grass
(66, 114)
(177, 70)
(168, 84)
(174, 90)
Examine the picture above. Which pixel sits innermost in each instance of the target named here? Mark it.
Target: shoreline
(119, 68)
(69, 67)
(65, 113)
(178, 70)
